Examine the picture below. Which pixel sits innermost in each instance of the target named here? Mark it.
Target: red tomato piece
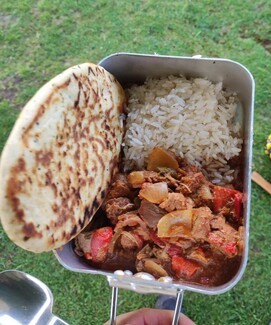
(231, 248)
(222, 195)
(99, 244)
(173, 250)
(183, 267)
(157, 240)
(88, 256)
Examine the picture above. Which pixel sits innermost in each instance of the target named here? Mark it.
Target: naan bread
(60, 158)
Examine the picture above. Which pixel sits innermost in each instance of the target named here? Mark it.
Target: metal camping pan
(131, 68)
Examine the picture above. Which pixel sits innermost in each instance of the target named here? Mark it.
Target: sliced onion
(177, 223)
(130, 236)
(159, 157)
(130, 220)
(136, 179)
(186, 186)
(114, 241)
(204, 193)
(154, 193)
(154, 268)
(83, 241)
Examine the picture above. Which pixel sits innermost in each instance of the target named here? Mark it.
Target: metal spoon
(25, 300)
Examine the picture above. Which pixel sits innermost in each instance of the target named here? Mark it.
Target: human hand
(148, 316)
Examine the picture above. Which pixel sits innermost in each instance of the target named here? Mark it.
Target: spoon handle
(258, 179)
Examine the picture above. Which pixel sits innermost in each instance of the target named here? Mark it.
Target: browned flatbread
(60, 158)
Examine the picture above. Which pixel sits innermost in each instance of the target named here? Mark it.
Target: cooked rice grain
(195, 118)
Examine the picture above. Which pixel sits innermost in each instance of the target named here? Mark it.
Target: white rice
(195, 118)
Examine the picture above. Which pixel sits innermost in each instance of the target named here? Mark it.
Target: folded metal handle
(114, 306)
(178, 307)
(56, 321)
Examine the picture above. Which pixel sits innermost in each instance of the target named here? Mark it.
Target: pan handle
(56, 321)
(178, 307)
(114, 305)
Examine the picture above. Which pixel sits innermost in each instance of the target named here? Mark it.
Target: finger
(148, 316)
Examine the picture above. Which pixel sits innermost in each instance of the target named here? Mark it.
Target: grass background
(40, 38)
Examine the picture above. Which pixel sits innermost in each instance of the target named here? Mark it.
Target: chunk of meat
(201, 223)
(116, 207)
(230, 233)
(217, 222)
(153, 251)
(161, 254)
(151, 176)
(82, 243)
(130, 220)
(230, 199)
(216, 239)
(145, 252)
(191, 183)
(131, 240)
(198, 255)
(176, 201)
(224, 229)
(225, 240)
(137, 178)
(142, 233)
(165, 175)
(174, 245)
(153, 260)
(168, 171)
(150, 213)
(185, 168)
(203, 196)
(120, 188)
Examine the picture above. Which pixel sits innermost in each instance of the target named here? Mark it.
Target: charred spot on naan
(30, 231)
(44, 157)
(40, 112)
(16, 186)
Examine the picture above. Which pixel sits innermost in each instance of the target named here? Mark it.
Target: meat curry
(167, 220)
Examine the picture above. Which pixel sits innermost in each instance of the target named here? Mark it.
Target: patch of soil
(7, 20)
(266, 43)
(9, 87)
